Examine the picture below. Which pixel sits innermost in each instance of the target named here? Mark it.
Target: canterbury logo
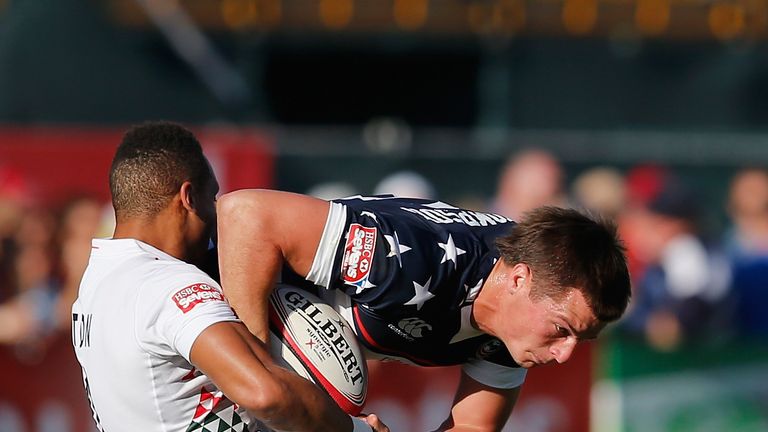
(414, 326)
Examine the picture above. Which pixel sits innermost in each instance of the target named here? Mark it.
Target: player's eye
(562, 331)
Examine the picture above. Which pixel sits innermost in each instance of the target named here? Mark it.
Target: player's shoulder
(428, 210)
(382, 201)
(176, 284)
(175, 273)
(162, 273)
(134, 259)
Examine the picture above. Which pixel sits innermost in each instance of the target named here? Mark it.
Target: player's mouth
(532, 361)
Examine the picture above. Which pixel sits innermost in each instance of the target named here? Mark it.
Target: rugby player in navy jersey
(428, 283)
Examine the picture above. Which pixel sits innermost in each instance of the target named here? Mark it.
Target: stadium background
(296, 94)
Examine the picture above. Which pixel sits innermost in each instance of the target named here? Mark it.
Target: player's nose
(562, 350)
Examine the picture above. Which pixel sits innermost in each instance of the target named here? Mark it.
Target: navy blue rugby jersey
(410, 270)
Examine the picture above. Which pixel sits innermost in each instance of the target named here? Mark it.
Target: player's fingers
(376, 423)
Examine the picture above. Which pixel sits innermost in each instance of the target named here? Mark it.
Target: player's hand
(375, 423)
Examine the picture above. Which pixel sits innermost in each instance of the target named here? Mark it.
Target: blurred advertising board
(555, 398)
(52, 164)
(41, 391)
(720, 386)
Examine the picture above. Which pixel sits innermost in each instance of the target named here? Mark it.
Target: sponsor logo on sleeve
(358, 254)
(189, 297)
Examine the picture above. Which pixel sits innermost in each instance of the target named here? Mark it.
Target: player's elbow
(268, 401)
(236, 204)
(242, 211)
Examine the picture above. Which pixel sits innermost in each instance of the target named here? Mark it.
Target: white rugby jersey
(133, 324)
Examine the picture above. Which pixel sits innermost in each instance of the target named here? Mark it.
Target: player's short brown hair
(568, 249)
(150, 165)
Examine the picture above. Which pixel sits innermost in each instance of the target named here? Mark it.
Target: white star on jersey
(395, 248)
(369, 214)
(359, 288)
(466, 330)
(422, 294)
(451, 251)
(472, 292)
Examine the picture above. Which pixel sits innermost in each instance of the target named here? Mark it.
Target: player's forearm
(241, 367)
(450, 426)
(304, 407)
(478, 407)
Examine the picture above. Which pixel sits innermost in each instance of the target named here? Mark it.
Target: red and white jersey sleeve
(170, 316)
(136, 318)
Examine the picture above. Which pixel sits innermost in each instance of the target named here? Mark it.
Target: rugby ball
(309, 337)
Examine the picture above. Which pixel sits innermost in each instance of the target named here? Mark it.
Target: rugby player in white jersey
(160, 348)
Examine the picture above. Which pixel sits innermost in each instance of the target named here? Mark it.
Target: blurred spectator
(600, 190)
(530, 179)
(748, 209)
(30, 312)
(81, 220)
(408, 184)
(642, 183)
(746, 243)
(45, 257)
(683, 290)
(13, 200)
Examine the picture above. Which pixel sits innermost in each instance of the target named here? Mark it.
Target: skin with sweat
(540, 330)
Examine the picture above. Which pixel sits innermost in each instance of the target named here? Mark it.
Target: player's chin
(528, 360)
(524, 362)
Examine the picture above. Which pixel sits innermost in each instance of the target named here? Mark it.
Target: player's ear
(518, 274)
(187, 195)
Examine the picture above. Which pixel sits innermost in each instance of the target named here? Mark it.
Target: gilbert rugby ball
(309, 337)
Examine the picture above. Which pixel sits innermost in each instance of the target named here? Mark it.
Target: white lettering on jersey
(466, 217)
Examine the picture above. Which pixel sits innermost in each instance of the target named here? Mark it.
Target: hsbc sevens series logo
(189, 297)
(358, 255)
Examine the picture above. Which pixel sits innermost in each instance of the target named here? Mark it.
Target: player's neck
(486, 303)
(160, 231)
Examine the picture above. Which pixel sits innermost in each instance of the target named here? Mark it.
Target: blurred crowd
(688, 283)
(44, 248)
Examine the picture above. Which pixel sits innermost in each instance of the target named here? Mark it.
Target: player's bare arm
(479, 408)
(258, 231)
(241, 367)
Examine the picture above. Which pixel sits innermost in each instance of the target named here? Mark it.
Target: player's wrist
(360, 425)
